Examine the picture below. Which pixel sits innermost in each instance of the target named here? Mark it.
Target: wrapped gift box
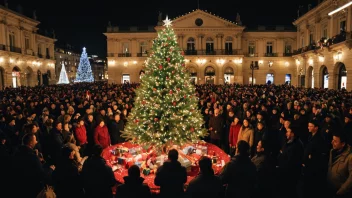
(184, 161)
(132, 151)
(121, 160)
(139, 164)
(188, 150)
(202, 150)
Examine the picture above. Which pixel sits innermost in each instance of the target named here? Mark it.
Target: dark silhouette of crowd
(283, 141)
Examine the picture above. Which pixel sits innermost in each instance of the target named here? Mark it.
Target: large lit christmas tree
(84, 71)
(165, 111)
(63, 76)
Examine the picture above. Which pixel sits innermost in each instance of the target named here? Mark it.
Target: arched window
(209, 71)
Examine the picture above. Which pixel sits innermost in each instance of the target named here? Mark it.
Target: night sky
(82, 23)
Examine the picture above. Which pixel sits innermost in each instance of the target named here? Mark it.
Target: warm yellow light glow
(298, 62)
(11, 60)
(134, 62)
(1, 59)
(321, 59)
(261, 61)
(310, 61)
(125, 63)
(220, 61)
(340, 8)
(287, 63)
(201, 61)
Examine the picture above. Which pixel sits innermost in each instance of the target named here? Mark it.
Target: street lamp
(254, 66)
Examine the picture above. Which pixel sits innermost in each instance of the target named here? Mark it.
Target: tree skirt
(121, 156)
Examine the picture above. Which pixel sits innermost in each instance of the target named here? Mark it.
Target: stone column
(349, 18)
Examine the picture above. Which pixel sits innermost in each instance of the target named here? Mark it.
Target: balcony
(40, 55)
(47, 56)
(306, 49)
(2, 47)
(142, 54)
(288, 54)
(251, 54)
(15, 49)
(111, 54)
(124, 54)
(270, 55)
(213, 52)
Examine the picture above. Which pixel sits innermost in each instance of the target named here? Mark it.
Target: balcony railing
(270, 55)
(2, 47)
(251, 54)
(142, 54)
(124, 55)
(306, 49)
(288, 54)
(15, 49)
(40, 55)
(213, 52)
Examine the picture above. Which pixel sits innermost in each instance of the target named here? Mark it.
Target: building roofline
(21, 15)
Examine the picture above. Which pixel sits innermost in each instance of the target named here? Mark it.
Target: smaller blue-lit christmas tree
(84, 71)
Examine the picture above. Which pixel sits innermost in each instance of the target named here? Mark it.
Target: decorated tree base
(121, 156)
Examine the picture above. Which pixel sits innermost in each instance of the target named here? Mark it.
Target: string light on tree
(166, 108)
(84, 71)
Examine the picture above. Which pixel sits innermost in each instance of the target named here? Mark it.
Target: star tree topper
(167, 22)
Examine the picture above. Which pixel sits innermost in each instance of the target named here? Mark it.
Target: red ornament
(192, 129)
(168, 59)
(154, 89)
(171, 92)
(167, 78)
(156, 119)
(136, 120)
(173, 72)
(182, 53)
(185, 96)
(183, 64)
(178, 89)
(160, 67)
(143, 102)
(174, 103)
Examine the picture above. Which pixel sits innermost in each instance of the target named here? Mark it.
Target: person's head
(134, 171)
(236, 120)
(313, 126)
(97, 150)
(287, 124)
(242, 148)
(117, 117)
(29, 140)
(81, 121)
(173, 155)
(290, 133)
(259, 116)
(260, 146)
(90, 117)
(260, 125)
(245, 122)
(67, 153)
(338, 141)
(216, 111)
(101, 123)
(205, 165)
(58, 126)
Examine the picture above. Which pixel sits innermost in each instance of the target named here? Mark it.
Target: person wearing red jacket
(101, 135)
(81, 133)
(234, 130)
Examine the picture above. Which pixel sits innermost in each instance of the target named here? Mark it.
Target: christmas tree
(166, 107)
(84, 72)
(63, 76)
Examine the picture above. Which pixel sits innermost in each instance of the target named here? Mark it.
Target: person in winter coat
(206, 184)
(133, 186)
(171, 177)
(240, 173)
(339, 175)
(101, 135)
(234, 131)
(98, 178)
(246, 133)
(115, 128)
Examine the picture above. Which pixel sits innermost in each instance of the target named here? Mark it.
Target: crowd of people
(284, 142)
